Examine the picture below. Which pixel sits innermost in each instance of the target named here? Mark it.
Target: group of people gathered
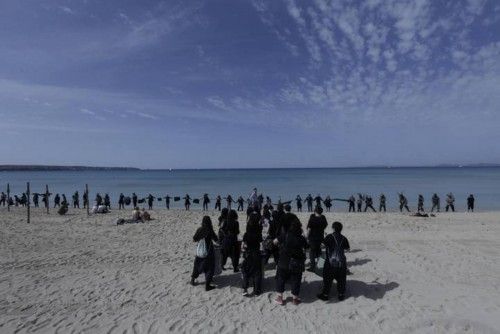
(359, 203)
(271, 233)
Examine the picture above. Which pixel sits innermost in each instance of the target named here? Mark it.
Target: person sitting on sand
(251, 267)
(136, 214)
(335, 263)
(204, 261)
(291, 263)
(145, 216)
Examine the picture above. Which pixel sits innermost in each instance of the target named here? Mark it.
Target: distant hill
(36, 168)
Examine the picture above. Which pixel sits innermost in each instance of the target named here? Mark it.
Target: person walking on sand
(291, 263)
(382, 201)
(470, 203)
(403, 203)
(315, 235)
(436, 203)
(204, 261)
(335, 263)
(251, 267)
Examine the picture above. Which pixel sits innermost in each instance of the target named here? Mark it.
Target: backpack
(337, 257)
(201, 249)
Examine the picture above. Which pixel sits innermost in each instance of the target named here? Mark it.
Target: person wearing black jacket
(335, 243)
(309, 202)
(207, 264)
(470, 203)
(291, 262)
(230, 245)
(251, 267)
(218, 201)
(134, 200)
(298, 201)
(315, 235)
(121, 201)
(206, 200)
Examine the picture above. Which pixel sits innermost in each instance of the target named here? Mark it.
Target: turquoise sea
(282, 184)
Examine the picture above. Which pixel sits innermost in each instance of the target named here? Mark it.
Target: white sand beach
(80, 274)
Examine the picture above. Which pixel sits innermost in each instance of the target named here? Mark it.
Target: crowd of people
(277, 234)
(359, 203)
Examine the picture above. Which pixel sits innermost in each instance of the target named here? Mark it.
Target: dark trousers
(75, 205)
(275, 253)
(240, 207)
(314, 252)
(217, 206)
(121, 206)
(401, 206)
(231, 251)
(309, 208)
(330, 274)
(299, 208)
(450, 206)
(435, 206)
(359, 207)
(284, 276)
(470, 207)
(205, 266)
(420, 208)
(351, 207)
(370, 206)
(382, 206)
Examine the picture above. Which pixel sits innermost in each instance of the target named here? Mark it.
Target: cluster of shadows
(309, 289)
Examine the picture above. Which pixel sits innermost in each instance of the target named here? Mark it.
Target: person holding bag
(291, 263)
(204, 261)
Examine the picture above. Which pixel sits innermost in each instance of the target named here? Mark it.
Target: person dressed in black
(382, 201)
(85, 198)
(98, 199)
(187, 202)
(3, 199)
(298, 201)
(309, 201)
(206, 201)
(76, 200)
(291, 263)
(352, 202)
(167, 202)
(134, 200)
(218, 202)
(107, 201)
(369, 203)
(315, 235)
(403, 203)
(436, 203)
(121, 201)
(335, 263)
(359, 202)
(241, 203)
(318, 200)
(230, 245)
(420, 203)
(470, 203)
(64, 200)
(205, 262)
(35, 199)
(45, 199)
(251, 267)
(270, 249)
(57, 201)
(328, 203)
(150, 198)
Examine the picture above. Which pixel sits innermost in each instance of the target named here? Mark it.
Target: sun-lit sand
(76, 273)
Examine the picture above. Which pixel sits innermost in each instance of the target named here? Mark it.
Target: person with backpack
(291, 263)
(204, 261)
(315, 235)
(335, 263)
(251, 268)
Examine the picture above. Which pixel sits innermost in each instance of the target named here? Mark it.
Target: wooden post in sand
(8, 197)
(88, 200)
(47, 202)
(29, 202)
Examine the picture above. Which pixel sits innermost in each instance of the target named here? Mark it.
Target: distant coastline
(41, 168)
(38, 168)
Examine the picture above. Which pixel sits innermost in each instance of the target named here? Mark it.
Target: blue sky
(221, 84)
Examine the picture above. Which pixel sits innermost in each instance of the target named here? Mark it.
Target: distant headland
(38, 168)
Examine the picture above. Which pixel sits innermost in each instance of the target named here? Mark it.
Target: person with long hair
(291, 262)
(251, 268)
(230, 245)
(204, 262)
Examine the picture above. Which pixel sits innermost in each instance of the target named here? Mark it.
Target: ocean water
(282, 184)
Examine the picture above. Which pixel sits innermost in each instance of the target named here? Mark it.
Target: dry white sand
(84, 274)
